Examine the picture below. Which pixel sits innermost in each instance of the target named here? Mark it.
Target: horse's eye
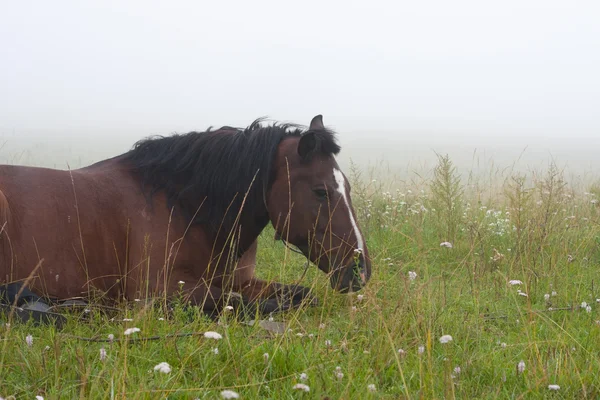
(321, 194)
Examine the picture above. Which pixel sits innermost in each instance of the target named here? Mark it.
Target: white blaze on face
(341, 188)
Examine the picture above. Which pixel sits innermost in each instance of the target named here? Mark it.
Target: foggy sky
(82, 81)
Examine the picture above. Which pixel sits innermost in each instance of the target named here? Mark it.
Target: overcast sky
(396, 79)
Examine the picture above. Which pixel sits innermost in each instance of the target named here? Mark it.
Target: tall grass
(535, 228)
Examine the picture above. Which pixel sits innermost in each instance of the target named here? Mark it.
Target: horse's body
(123, 227)
(92, 229)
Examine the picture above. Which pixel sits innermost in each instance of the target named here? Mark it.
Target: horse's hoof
(271, 306)
(247, 309)
(298, 295)
(37, 316)
(314, 301)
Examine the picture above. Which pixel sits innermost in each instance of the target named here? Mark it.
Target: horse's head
(310, 207)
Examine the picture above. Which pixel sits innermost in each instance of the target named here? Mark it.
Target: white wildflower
(547, 296)
(181, 283)
(588, 309)
(554, 293)
(228, 308)
(129, 331)
(163, 367)
(553, 387)
(412, 275)
(127, 319)
(503, 345)
(229, 394)
(215, 350)
(446, 244)
(328, 343)
(457, 370)
(102, 354)
(302, 386)
(339, 375)
(213, 335)
(360, 297)
(303, 376)
(266, 357)
(514, 282)
(445, 339)
(371, 387)
(401, 352)
(111, 337)
(421, 349)
(321, 326)
(29, 340)
(521, 367)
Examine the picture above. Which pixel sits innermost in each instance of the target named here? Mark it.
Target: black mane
(216, 168)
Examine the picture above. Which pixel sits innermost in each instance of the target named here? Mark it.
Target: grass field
(508, 339)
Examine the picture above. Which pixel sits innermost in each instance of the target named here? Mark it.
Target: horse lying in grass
(183, 214)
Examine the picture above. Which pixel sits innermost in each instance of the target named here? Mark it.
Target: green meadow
(482, 288)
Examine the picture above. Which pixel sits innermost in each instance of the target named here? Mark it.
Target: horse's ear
(307, 143)
(317, 123)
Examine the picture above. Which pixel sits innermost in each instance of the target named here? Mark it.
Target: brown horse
(184, 213)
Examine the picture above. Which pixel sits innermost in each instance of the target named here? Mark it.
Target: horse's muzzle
(352, 277)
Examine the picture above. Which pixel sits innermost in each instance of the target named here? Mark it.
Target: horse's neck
(250, 229)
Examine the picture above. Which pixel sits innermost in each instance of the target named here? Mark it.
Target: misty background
(511, 82)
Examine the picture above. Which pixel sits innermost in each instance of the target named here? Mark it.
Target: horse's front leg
(257, 289)
(289, 295)
(213, 300)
